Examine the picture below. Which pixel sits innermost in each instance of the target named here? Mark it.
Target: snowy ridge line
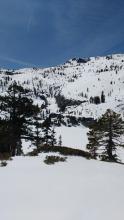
(78, 79)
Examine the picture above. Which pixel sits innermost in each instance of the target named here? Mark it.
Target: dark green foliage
(53, 138)
(67, 151)
(46, 129)
(102, 97)
(49, 160)
(3, 164)
(19, 108)
(59, 119)
(104, 136)
(62, 102)
(93, 138)
(4, 137)
(16, 103)
(48, 133)
(60, 141)
(10, 137)
(36, 134)
(96, 100)
(5, 156)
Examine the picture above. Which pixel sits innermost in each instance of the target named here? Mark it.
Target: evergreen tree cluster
(97, 99)
(23, 120)
(105, 135)
(19, 109)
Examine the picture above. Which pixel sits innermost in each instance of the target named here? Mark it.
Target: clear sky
(49, 32)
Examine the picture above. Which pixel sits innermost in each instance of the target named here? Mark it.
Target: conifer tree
(37, 137)
(47, 131)
(18, 108)
(93, 137)
(60, 141)
(104, 136)
(53, 138)
(102, 97)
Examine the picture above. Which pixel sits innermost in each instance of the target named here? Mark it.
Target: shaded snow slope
(77, 189)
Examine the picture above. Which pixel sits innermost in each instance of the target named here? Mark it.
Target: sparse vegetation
(3, 164)
(63, 102)
(49, 160)
(67, 151)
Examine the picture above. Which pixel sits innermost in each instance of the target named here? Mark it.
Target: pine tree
(47, 131)
(93, 137)
(60, 141)
(18, 108)
(105, 135)
(53, 138)
(37, 137)
(102, 97)
(96, 100)
(112, 128)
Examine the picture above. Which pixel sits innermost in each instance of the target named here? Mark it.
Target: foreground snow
(75, 190)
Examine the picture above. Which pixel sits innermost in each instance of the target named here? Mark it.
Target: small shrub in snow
(33, 153)
(54, 159)
(3, 164)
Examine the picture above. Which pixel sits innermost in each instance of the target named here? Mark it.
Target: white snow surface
(75, 137)
(74, 190)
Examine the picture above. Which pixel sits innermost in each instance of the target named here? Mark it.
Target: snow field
(76, 189)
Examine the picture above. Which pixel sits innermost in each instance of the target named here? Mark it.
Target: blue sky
(49, 32)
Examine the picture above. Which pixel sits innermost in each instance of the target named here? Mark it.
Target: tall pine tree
(104, 136)
(18, 108)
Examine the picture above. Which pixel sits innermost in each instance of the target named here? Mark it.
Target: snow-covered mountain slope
(76, 189)
(74, 88)
(78, 79)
